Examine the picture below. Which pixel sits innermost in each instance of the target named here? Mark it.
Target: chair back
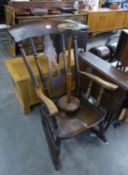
(121, 53)
(46, 30)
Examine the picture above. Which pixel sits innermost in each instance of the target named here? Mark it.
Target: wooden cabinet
(119, 19)
(22, 82)
(101, 21)
(126, 21)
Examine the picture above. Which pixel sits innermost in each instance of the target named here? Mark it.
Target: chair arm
(100, 81)
(49, 103)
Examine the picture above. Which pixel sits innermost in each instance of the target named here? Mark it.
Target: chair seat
(86, 117)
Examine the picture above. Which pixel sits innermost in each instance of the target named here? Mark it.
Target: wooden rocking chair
(58, 122)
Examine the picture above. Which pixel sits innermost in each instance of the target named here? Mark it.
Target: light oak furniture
(9, 15)
(10, 21)
(105, 19)
(22, 84)
(126, 20)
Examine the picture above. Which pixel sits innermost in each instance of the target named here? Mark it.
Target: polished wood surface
(69, 73)
(23, 10)
(101, 82)
(98, 20)
(114, 102)
(78, 17)
(121, 52)
(48, 4)
(105, 68)
(83, 119)
(52, 108)
(9, 15)
(126, 21)
(22, 83)
(44, 27)
(106, 20)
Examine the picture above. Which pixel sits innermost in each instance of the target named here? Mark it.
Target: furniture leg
(100, 133)
(53, 144)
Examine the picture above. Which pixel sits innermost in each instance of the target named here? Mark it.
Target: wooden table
(116, 102)
(105, 68)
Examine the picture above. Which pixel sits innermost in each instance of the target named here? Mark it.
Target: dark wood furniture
(29, 4)
(98, 20)
(20, 12)
(2, 10)
(121, 55)
(108, 72)
(23, 11)
(58, 124)
(78, 17)
(121, 52)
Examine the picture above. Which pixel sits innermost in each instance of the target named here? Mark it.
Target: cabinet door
(94, 21)
(120, 19)
(106, 21)
(126, 20)
(101, 21)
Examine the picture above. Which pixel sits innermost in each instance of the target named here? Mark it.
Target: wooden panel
(41, 4)
(94, 22)
(119, 20)
(23, 85)
(116, 76)
(9, 15)
(10, 20)
(112, 101)
(100, 21)
(80, 17)
(109, 20)
(126, 21)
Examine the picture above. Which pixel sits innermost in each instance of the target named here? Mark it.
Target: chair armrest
(100, 81)
(49, 103)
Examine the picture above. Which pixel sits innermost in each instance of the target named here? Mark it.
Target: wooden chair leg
(100, 133)
(54, 144)
(117, 124)
(109, 121)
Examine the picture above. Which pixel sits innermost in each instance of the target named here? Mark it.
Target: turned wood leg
(100, 133)
(54, 145)
(109, 121)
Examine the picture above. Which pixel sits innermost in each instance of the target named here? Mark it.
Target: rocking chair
(63, 119)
